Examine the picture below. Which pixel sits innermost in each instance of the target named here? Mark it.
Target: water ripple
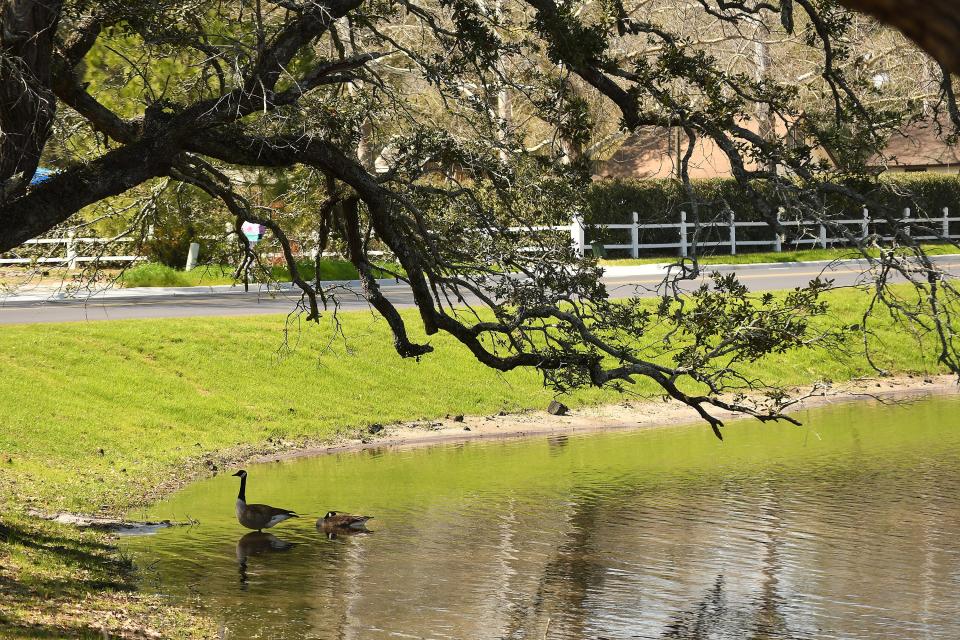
(651, 534)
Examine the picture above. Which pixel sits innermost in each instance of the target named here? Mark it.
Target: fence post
(865, 225)
(635, 236)
(578, 235)
(906, 221)
(684, 249)
(733, 234)
(777, 236)
(71, 250)
(946, 223)
(823, 236)
(192, 256)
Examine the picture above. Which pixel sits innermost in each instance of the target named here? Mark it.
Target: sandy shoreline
(622, 416)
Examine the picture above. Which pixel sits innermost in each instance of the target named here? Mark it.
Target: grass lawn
(99, 416)
(99, 413)
(59, 582)
(157, 275)
(804, 255)
(152, 394)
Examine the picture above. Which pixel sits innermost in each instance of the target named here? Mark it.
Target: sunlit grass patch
(764, 257)
(151, 274)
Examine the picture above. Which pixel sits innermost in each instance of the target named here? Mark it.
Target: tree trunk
(66, 193)
(932, 24)
(766, 120)
(27, 104)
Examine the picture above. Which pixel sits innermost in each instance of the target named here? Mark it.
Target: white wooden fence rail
(578, 233)
(71, 259)
(684, 229)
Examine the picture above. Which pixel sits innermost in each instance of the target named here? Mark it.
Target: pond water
(844, 528)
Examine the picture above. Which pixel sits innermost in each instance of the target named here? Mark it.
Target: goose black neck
(243, 489)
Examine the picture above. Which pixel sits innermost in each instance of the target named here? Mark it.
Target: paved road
(766, 278)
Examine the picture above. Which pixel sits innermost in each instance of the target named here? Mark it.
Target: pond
(844, 528)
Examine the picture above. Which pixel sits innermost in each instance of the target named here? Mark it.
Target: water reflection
(257, 543)
(843, 530)
(332, 533)
(557, 443)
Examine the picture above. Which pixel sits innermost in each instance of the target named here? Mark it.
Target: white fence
(684, 229)
(71, 258)
(578, 233)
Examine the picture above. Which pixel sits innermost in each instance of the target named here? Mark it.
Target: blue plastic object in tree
(42, 175)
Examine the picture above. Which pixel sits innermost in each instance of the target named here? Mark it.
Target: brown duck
(342, 521)
(258, 516)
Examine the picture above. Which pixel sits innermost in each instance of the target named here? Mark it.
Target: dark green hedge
(614, 201)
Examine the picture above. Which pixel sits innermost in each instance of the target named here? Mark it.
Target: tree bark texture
(932, 24)
(27, 103)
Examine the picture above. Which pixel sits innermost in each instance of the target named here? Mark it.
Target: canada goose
(258, 516)
(334, 521)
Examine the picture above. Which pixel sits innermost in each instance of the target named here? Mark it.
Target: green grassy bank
(151, 274)
(101, 416)
(98, 414)
(59, 582)
(772, 257)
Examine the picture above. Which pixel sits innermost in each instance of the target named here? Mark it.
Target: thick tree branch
(932, 24)
(64, 194)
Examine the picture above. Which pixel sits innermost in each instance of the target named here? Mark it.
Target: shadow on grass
(46, 569)
(40, 631)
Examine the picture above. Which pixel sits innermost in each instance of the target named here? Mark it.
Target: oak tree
(447, 132)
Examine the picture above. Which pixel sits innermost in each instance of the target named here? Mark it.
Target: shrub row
(614, 201)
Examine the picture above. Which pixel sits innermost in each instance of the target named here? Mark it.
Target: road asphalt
(226, 301)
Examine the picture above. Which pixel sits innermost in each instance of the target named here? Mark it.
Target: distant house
(655, 152)
(920, 147)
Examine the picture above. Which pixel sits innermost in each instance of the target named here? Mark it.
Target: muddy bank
(625, 415)
(105, 523)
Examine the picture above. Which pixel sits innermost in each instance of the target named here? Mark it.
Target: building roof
(654, 152)
(921, 145)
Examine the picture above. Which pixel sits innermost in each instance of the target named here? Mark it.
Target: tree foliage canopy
(447, 131)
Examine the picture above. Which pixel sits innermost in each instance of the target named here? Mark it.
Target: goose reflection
(333, 534)
(257, 543)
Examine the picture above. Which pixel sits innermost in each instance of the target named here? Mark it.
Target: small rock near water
(375, 428)
(557, 408)
(458, 418)
(466, 428)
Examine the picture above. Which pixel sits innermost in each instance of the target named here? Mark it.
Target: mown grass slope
(95, 414)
